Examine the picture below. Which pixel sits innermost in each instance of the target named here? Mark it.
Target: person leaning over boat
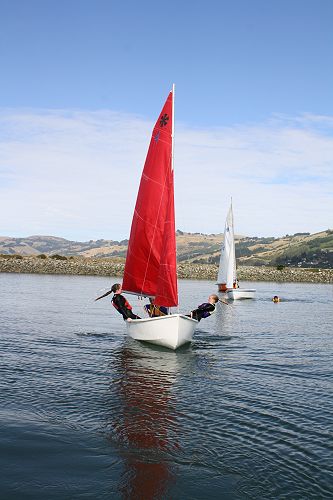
(120, 303)
(205, 309)
(155, 311)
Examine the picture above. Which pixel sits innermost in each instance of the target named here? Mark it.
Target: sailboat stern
(170, 331)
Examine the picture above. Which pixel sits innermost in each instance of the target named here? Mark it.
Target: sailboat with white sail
(227, 275)
(151, 264)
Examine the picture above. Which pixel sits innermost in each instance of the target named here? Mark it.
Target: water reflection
(144, 423)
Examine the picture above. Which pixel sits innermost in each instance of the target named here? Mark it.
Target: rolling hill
(300, 249)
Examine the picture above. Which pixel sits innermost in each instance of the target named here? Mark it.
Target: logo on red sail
(164, 120)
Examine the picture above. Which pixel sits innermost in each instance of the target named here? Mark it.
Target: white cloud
(75, 174)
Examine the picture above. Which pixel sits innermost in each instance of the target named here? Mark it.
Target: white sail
(231, 268)
(227, 267)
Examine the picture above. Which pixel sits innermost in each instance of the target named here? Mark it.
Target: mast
(173, 157)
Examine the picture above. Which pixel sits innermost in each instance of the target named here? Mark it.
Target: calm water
(245, 412)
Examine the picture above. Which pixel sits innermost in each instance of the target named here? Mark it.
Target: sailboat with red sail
(151, 264)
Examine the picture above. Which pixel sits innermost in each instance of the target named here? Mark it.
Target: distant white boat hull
(170, 331)
(240, 293)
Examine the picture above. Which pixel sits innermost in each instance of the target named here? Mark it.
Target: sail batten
(151, 267)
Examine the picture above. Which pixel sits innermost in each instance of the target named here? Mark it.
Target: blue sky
(83, 81)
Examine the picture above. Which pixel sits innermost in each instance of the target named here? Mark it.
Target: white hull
(240, 293)
(170, 331)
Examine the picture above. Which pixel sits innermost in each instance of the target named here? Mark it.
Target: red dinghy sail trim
(151, 267)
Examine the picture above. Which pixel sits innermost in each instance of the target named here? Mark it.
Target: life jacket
(155, 311)
(126, 304)
(206, 314)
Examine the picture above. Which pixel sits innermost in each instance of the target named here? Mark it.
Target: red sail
(151, 267)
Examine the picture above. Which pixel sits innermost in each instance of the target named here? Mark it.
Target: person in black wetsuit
(120, 303)
(205, 309)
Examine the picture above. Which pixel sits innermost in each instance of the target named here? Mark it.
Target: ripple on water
(245, 412)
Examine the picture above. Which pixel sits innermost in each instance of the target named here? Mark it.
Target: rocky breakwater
(255, 273)
(61, 265)
(115, 267)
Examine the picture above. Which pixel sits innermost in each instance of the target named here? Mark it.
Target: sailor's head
(116, 288)
(213, 299)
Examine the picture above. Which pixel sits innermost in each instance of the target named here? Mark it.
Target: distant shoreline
(80, 266)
